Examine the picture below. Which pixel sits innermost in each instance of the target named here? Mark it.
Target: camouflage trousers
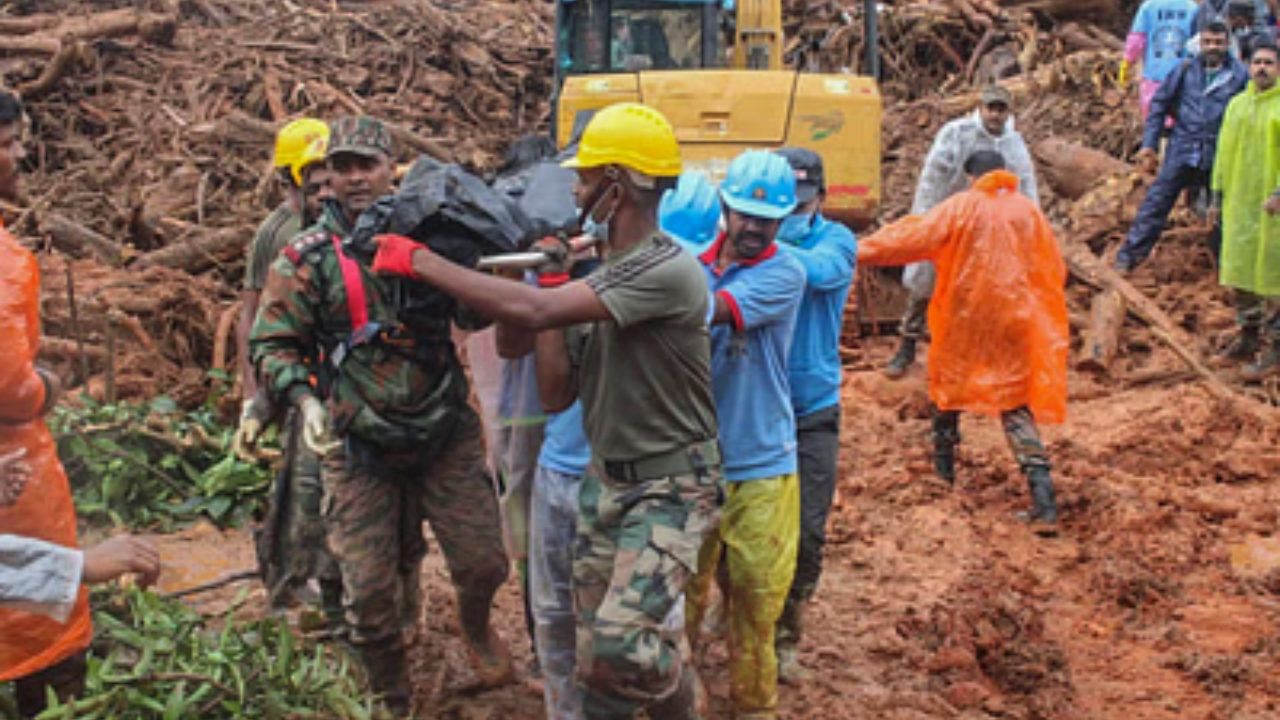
(374, 505)
(298, 551)
(1019, 431)
(636, 548)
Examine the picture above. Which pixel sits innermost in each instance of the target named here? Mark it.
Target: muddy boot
(1243, 348)
(902, 361)
(945, 439)
(1266, 366)
(490, 661)
(1044, 510)
(787, 640)
(688, 702)
(386, 668)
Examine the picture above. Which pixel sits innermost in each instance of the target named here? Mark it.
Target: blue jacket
(828, 255)
(1196, 106)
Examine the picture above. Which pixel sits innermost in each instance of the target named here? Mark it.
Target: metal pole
(871, 38)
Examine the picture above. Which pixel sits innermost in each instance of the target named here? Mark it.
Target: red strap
(357, 307)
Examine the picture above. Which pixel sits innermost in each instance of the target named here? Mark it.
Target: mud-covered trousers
(919, 279)
(1154, 212)
(1019, 431)
(758, 534)
(374, 504)
(1259, 313)
(818, 448)
(553, 524)
(636, 548)
(300, 551)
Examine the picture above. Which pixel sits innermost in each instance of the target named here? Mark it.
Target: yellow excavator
(715, 69)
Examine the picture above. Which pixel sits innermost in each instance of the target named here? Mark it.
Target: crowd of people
(668, 395)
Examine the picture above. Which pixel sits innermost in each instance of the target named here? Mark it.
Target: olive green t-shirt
(281, 226)
(645, 376)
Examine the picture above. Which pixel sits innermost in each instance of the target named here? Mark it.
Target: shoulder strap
(357, 301)
(302, 245)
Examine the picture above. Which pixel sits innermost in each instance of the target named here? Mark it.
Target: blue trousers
(1154, 212)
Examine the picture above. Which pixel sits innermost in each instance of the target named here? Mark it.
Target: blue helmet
(691, 210)
(761, 184)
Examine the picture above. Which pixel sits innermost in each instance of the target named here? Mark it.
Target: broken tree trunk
(1102, 337)
(1073, 169)
(195, 255)
(1085, 266)
(77, 240)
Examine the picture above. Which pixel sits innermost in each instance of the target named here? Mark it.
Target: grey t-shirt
(645, 380)
(281, 226)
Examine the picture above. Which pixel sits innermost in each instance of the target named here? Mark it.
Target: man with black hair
(1246, 192)
(652, 490)
(388, 416)
(998, 318)
(1194, 96)
(990, 127)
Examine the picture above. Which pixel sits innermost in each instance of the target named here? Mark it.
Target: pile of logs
(152, 127)
(942, 46)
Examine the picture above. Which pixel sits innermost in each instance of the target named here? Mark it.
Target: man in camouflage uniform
(652, 489)
(390, 419)
(290, 545)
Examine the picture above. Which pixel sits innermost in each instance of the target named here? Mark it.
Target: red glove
(395, 255)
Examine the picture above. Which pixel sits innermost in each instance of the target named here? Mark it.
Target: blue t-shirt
(564, 443)
(828, 255)
(1168, 25)
(749, 362)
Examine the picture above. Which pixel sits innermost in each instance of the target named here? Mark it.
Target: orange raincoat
(30, 642)
(998, 318)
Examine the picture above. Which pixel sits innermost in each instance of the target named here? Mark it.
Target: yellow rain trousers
(758, 536)
(1246, 171)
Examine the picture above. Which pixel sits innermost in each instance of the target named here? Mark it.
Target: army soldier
(389, 417)
(650, 493)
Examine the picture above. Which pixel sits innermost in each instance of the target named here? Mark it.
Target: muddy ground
(1159, 599)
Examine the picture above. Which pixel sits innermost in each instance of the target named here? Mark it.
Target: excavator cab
(715, 69)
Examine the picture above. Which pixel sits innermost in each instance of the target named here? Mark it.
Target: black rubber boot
(1266, 366)
(386, 668)
(945, 439)
(1244, 347)
(1044, 510)
(902, 361)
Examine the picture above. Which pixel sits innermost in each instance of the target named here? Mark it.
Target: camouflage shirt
(398, 389)
(281, 226)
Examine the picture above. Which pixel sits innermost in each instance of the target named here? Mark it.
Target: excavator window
(598, 36)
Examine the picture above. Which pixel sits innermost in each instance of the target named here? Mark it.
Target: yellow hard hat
(314, 152)
(293, 139)
(632, 135)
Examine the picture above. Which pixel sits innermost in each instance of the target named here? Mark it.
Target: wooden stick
(75, 326)
(228, 579)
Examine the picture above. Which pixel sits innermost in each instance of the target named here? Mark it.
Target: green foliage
(155, 658)
(153, 466)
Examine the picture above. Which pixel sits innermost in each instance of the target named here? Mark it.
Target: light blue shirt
(749, 362)
(1168, 24)
(564, 443)
(828, 254)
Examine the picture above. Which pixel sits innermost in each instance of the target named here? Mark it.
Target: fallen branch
(1089, 269)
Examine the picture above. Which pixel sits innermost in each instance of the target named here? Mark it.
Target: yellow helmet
(314, 152)
(293, 139)
(632, 135)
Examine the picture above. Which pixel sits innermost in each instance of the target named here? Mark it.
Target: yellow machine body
(719, 113)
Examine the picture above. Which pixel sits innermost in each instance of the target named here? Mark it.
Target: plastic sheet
(998, 318)
(30, 642)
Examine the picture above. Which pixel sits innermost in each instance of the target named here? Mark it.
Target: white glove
(248, 431)
(315, 426)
